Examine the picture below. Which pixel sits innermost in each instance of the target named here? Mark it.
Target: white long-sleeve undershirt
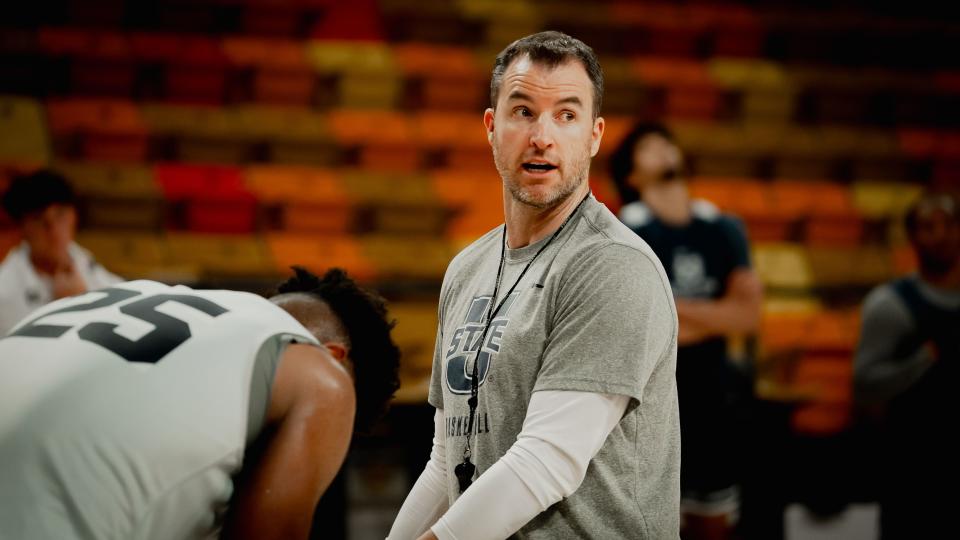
(562, 432)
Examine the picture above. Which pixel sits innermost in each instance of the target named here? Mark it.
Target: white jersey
(23, 290)
(124, 412)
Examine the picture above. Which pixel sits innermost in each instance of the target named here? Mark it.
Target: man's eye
(567, 116)
(522, 111)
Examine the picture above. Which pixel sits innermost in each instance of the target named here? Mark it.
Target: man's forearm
(718, 317)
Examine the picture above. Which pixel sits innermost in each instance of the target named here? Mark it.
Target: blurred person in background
(906, 376)
(706, 256)
(149, 411)
(48, 264)
(554, 368)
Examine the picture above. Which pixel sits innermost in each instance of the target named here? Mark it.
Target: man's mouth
(538, 166)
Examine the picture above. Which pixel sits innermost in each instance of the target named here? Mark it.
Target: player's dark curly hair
(621, 160)
(376, 358)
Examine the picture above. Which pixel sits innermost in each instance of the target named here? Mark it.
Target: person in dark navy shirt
(706, 256)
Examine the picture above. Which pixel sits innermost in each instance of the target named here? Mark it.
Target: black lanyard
(464, 471)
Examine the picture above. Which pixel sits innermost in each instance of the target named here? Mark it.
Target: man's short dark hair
(375, 357)
(34, 192)
(621, 160)
(550, 48)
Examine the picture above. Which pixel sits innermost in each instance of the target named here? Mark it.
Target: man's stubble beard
(567, 186)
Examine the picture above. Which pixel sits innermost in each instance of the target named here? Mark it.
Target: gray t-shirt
(593, 313)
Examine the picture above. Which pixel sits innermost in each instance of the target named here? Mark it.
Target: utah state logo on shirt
(466, 341)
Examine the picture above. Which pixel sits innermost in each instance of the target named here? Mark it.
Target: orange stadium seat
(449, 77)
(475, 199)
(249, 51)
(833, 332)
(307, 199)
(285, 86)
(101, 129)
(827, 207)
(829, 377)
(436, 130)
(749, 200)
(904, 259)
(788, 330)
(665, 72)
(319, 253)
(357, 127)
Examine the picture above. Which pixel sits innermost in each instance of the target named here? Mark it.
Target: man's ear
(488, 116)
(336, 350)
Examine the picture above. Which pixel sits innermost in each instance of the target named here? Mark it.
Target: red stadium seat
(214, 199)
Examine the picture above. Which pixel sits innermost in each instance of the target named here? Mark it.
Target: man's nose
(541, 134)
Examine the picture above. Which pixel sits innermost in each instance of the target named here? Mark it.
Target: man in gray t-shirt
(554, 367)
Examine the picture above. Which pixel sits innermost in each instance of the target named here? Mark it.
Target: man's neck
(527, 224)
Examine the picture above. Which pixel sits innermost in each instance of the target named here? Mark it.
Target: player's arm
(736, 312)
(309, 424)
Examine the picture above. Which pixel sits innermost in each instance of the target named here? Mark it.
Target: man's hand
(428, 535)
(67, 281)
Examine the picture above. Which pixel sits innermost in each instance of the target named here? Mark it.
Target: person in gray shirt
(554, 367)
(906, 374)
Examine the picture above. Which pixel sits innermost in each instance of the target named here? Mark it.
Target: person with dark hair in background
(48, 264)
(906, 373)
(126, 412)
(706, 255)
(554, 367)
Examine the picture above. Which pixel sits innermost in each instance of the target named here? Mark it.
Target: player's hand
(67, 281)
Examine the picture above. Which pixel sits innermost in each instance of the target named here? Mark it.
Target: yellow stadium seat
(783, 266)
(132, 255)
(414, 333)
(407, 257)
(23, 132)
(883, 200)
(220, 254)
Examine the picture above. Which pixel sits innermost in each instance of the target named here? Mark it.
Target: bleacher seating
(238, 138)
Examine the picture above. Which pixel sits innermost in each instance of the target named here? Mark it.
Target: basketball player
(126, 412)
(554, 368)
